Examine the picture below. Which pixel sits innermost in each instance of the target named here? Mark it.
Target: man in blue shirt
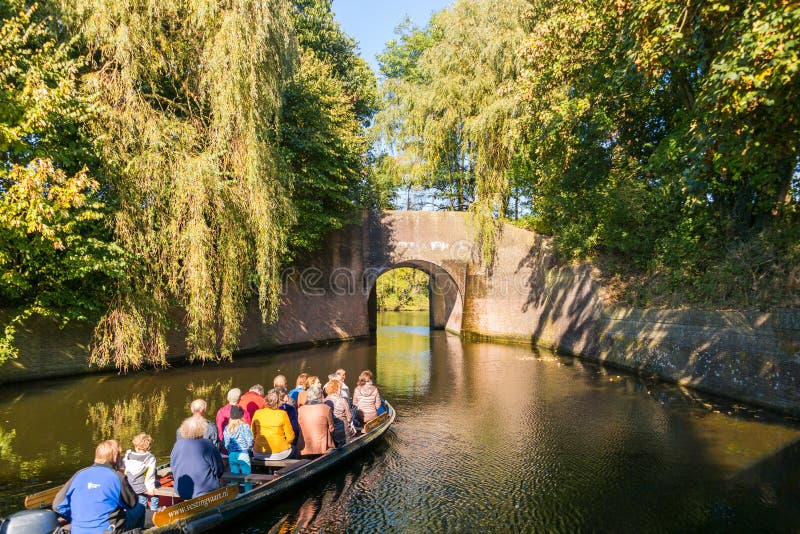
(99, 498)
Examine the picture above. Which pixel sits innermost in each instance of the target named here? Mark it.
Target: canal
(489, 437)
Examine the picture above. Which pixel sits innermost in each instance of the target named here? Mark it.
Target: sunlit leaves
(191, 94)
(330, 97)
(452, 105)
(55, 255)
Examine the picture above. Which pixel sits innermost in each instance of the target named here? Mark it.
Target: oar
(43, 499)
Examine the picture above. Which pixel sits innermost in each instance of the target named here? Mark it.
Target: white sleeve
(150, 474)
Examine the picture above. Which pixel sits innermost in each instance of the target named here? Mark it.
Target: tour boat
(208, 512)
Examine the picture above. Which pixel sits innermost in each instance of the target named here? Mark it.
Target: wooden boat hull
(212, 518)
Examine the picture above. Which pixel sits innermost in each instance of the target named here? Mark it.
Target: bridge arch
(445, 298)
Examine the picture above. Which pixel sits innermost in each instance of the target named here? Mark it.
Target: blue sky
(371, 23)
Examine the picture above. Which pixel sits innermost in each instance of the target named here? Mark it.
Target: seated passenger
(343, 429)
(238, 441)
(300, 386)
(224, 413)
(198, 409)
(316, 424)
(272, 431)
(291, 410)
(279, 382)
(341, 375)
(252, 400)
(311, 381)
(366, 398)
(140, 470)
(196, 464)
(99, 498)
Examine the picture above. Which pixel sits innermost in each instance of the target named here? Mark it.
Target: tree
(403, 289)
(57, 255)
(451, 106)
(190, 94)
(323, 142)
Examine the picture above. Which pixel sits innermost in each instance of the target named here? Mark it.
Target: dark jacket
(94, 499)
(291, 411)
(196, 467)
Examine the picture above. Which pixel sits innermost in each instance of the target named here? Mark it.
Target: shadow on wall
(750, 356)
(563, 300)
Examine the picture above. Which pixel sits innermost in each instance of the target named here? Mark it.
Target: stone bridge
(524, 296)
(333, 295)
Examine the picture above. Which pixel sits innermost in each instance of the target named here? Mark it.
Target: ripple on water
(488, 438)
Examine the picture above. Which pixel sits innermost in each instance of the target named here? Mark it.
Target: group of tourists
(307, 421)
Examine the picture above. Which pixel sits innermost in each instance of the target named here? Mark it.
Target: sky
(372, 22)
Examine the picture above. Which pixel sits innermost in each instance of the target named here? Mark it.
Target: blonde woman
(343, 429)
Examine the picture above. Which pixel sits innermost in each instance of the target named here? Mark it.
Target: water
(488, 437)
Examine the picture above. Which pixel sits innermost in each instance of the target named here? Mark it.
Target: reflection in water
(488, 437)
(125, 418)
(218, 389)
(27, 467)
(405, 353)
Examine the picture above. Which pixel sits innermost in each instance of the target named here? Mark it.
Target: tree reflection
(212, 392)
(123, 419)
(25, 466)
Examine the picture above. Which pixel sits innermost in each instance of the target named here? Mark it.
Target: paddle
(195, 506)
(43, 499)
(368, 427)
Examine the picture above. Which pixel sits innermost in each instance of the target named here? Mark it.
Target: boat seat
(163, 471)
(274, 463)
(166, 491)
(289, 468)
(368, 427)
(238, 477)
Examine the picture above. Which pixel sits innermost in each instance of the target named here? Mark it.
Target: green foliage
(214, 140)
(43, 112)
(663, 134)
(331, 95)
(324, 146)
(403, 289)
(666, 134)
(317, 30)
(190, 94)
(56, 258)
(451, 110)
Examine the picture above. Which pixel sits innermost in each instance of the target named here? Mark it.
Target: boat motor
(30, 522)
